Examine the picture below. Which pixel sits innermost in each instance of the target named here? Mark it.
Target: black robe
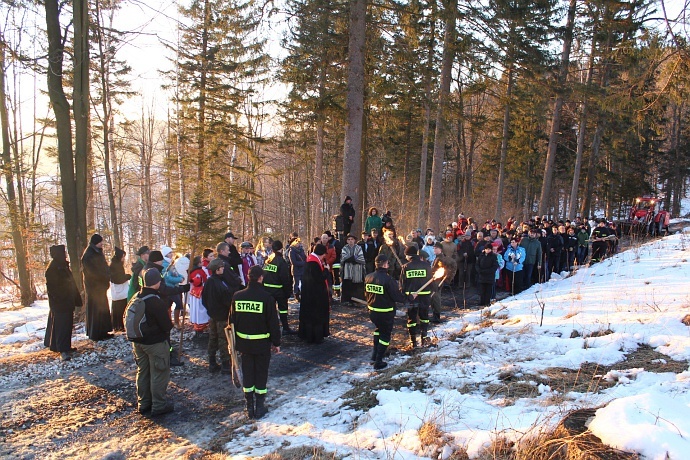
(63, 296)
(96, 283)
(314, 312)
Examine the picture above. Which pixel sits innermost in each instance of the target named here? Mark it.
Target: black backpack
(135, 318)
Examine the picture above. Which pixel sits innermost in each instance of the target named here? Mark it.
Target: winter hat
(348, 198)
(277, 245)
(319, 249)
(496, 244)
(411, 250)
(152, 277)
(96, 238)
(119, 253)
(165, 250)
(155, 256)
(57, 252)
(229, 235)
(438, 245)
(143, 250)
(215, 264)
(380, 260)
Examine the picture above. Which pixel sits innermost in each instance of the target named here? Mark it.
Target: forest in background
(495, 108)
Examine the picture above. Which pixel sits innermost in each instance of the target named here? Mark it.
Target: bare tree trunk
(74, 238)
(355, 109)
(544, 204)
(421, 217)
(582, 128)
(317, 204)
(504, 145)
(107, 122)
(442, 117)
(81, 110)
(28, 294)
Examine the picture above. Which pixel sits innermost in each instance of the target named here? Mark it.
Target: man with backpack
(148, 326)
(165, 292)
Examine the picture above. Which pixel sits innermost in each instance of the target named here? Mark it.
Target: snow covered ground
(640, 295)
(493, 373)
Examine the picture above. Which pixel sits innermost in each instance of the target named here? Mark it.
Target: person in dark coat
(314, 312)
(96, 283)
(63, 296)
(216, 297)
(348, 213)
(151, 353)
(119, 285)
(257, 332)
(487, 264)
(164, 292)
(297, 259)
(278, 282)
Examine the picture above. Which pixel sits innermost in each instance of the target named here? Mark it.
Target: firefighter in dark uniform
(414, 275)
(277, 281)
(599, 241)
(381, 292)
(257, 331)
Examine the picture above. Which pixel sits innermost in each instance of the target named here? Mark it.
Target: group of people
(250, 289)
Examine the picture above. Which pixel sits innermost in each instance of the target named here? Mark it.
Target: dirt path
(86, 408)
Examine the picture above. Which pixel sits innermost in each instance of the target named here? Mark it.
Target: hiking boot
(65, 356)
(380, 352)
(373, 353)
(225, 368)
(378, 365)
(213, 365)
(169, 407)
(260, 409)
(144, 410)
(250, 404)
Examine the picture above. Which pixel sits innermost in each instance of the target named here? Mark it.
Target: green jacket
(582, 238)
(134, 280)
(373, 222)
(532, 251)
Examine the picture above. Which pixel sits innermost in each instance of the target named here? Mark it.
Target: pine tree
(201, 225)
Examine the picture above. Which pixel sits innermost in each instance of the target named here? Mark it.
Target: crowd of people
(250, 288)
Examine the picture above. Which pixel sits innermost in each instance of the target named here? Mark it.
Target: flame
(388, 238)
(439, 273)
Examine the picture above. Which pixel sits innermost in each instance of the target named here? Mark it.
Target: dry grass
(301, 453)
(587, 379)
(570, 440)
(362, 394)
(686, 320)
(429, 434)
(500, 449)
(459, 454)
(599, 333)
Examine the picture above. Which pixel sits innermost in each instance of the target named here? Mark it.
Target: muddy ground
(86, 408)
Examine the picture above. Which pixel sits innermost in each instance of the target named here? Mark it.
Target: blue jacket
(514, 258)
(170, 275)
(297, 259)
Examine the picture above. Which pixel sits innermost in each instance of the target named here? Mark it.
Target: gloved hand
(186, 287)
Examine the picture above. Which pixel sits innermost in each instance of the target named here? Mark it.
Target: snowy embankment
(628, 302)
